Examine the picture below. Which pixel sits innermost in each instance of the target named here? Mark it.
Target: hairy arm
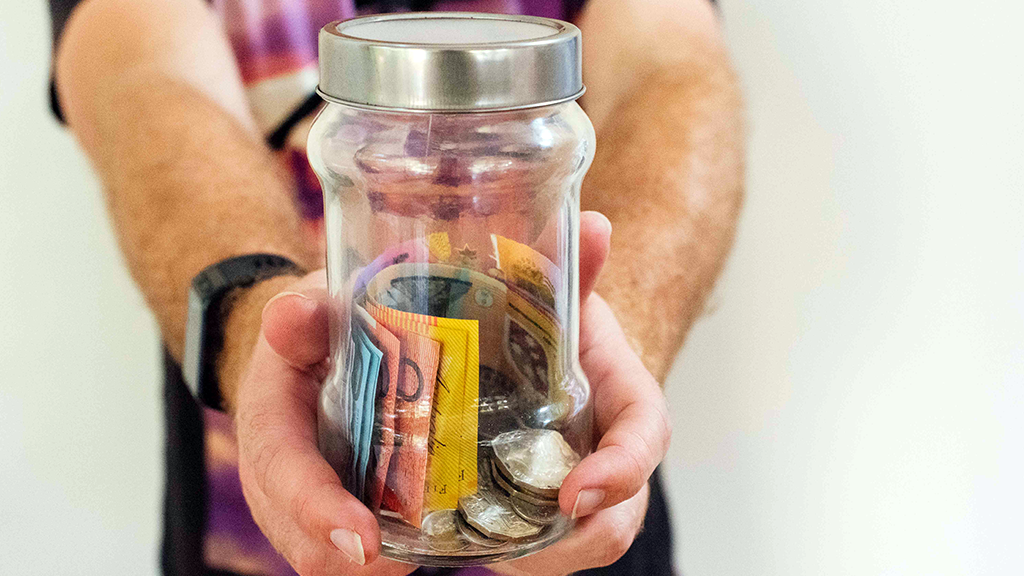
(151, 91)
(669, 166)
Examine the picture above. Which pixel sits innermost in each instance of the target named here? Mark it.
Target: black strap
(308, 106)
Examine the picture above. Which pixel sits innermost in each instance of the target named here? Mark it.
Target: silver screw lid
(450, 62)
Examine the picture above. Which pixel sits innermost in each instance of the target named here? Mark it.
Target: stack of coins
(526, 472)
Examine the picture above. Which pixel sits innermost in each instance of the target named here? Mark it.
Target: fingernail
(280, 295)
(350, 544)
(587, 502)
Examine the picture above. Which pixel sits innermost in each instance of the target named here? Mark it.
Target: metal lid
(450, 62)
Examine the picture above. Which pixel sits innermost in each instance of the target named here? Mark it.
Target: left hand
(608, 491)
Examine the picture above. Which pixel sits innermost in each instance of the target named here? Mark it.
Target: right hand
(294, 495)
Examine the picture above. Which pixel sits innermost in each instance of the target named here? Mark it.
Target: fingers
(294, 494)
(276, 422)
(630, 415)
(307, 556)
(595, 242)
(276, 425)
(297, 329)
(296, 322)
(598, 540)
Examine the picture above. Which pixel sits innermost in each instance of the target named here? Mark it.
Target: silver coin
(470, 534)
(454, 544)
(535, 460)
(506, 485)
(491, 514)
(540, 515)
(442, 532)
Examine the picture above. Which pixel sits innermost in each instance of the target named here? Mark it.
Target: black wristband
(204, 335)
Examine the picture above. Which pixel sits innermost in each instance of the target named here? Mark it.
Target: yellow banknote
(528, 270)
(452, 471)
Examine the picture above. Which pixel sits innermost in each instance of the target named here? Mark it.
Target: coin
(472, 535)
(440, 528)
(535, 460)
(540, 515)
(455, 544)
(491, 514)
(505, 484)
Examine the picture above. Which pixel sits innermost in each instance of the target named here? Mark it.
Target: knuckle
(301, 505)
(304, 505)
(638, 457)
(617, 541)
(267, 459)
(256, 421)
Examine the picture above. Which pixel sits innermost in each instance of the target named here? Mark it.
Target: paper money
(533, 349)
(359, 359)
(527, 269)
(384, 421)
(454, 420)
(431, 248)
(450, 292)
(364, 375)
(429, 289)
(407, 471)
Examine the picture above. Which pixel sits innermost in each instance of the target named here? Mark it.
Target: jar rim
(480, 75)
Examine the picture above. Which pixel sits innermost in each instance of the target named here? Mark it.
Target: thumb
(296, 323)
(595, 242)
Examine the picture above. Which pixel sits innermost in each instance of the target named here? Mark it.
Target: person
(194, 117)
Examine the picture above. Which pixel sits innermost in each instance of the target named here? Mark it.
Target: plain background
(851, 403)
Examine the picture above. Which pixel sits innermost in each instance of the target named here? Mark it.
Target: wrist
(242, 311)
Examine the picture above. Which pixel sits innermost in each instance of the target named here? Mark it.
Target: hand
(293, 493)
(608, 491)
(298, 501)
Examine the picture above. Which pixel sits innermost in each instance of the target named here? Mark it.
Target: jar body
(455, 390)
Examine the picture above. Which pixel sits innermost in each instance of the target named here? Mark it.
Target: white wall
(848, 406)
(852, 404)
(80, 420)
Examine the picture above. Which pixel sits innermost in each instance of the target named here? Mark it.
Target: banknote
(534, 351)
(421, 288)
(452, 469)
(357, 370)
(406, 474)
(430, 248)
(384, 421)
(529, 270)
(451, 292)
(365, 374)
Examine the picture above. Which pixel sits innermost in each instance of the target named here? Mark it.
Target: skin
(152, 93)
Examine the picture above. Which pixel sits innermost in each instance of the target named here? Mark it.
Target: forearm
(186, 180)
(669, 175)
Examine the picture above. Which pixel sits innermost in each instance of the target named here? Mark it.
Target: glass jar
(451, 173)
